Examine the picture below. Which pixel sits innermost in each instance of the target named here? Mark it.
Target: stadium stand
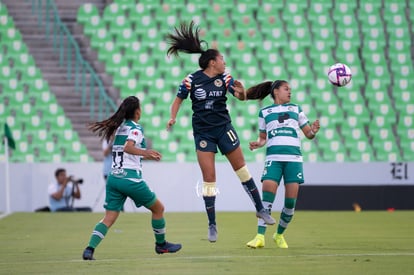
(39, 126)
(368, 120)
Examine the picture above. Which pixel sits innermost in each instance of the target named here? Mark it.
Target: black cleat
(88, 254)
(167, 248)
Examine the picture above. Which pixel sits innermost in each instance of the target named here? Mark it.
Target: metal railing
(77, 68)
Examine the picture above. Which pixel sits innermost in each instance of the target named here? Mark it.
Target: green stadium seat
(394, 13)
(100, 38)
(345, 7)
(140, 9)
(125, 4)
(91, 26)
(350, 99)
(133, 51)
(383, 113)
(311, 157)
(267, 17)
(108, 49)
(221, 6)
(167, 16)
(121, 76)
(197, 6)
(111, 12)
(402, 97)
(25, 64)
(387, 151)
(335, 153)
(6, 22)
(405, 132)
(3, 9)
(85, 12)
(117, 27)
(308, 146)
(224, 34)
(115, 63)
(366, 156)
(267, 53)
(144, 25)
(407, 109)
(325, 138)
(132, 87)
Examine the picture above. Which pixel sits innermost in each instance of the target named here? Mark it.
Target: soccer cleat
(257, 242)
(263, 214)
(280, 240)
(167, 247)
(88, 254)
(212, 233)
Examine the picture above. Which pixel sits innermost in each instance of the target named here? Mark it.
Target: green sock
(98, 234)
(158, 226)
(268, 199)
(286, 215)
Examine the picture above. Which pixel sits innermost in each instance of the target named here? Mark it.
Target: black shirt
(208, 96)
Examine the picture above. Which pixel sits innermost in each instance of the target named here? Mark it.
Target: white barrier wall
(175, 183)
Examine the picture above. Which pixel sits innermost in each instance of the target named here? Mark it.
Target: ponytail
(260, 91)
(186, 39)
(107, 127)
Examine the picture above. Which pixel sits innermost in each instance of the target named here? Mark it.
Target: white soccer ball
(339, 74)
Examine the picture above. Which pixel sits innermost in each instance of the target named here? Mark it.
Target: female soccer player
(125, 179)
(211, 122)
(279, 126)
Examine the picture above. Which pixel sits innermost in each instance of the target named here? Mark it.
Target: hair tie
(273, 86)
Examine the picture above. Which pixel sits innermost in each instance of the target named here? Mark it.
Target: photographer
(63, 192)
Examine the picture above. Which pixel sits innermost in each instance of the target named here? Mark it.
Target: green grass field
(370, 242)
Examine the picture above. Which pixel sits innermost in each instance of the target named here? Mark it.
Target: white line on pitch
(175, 258)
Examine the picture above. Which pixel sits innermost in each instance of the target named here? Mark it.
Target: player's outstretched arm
(175, 107)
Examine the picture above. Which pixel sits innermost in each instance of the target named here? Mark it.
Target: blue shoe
(167, 248)
(264, 214)
(88, 254)
(212, 233)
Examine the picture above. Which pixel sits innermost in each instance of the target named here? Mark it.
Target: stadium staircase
(47, 60)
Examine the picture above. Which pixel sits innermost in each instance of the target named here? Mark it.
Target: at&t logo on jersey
(200, 94)
(215, 93)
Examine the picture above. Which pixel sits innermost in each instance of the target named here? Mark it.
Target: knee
(209, 189)
(158, 209)
(108, 221)
(243, 174)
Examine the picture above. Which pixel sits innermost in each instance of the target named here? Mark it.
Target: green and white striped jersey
(129, 130)
(282, 124)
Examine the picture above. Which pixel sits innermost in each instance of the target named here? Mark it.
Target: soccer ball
(339, 74)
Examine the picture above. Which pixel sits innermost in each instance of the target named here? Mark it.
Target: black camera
(77, 181)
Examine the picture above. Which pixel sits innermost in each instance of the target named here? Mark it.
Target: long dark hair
(186, 39)
(107, 127)
(261, 90)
